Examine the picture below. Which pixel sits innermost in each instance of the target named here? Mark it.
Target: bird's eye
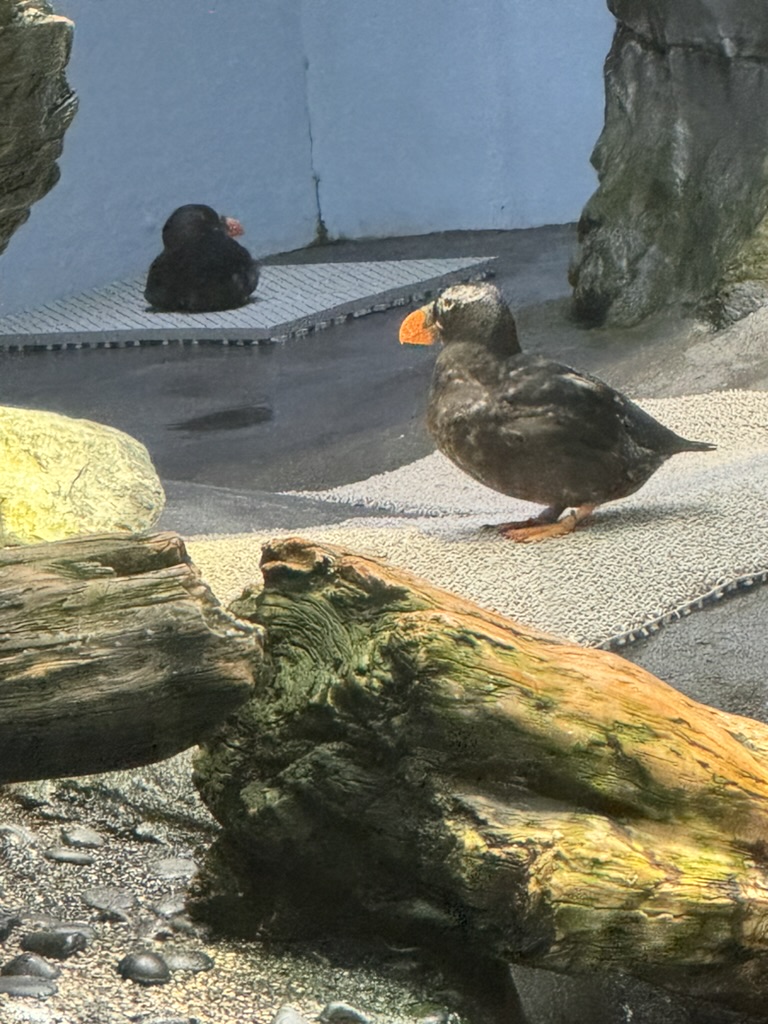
(446, 303)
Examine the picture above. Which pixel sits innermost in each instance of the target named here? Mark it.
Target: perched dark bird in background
(527, 426)
(201, 268)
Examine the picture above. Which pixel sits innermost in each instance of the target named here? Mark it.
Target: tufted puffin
(527, 426)
(201, 268)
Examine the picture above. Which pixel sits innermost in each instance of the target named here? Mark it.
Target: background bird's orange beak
(233, 227)
(419, 328)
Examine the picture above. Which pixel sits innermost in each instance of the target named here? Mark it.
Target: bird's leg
(550, 514)
(546, 525)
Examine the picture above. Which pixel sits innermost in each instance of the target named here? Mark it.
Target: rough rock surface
(37, 105)
(681, 212)
(62, 477)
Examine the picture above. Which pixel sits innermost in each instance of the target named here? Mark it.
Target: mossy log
(113, 653)
(440, 774)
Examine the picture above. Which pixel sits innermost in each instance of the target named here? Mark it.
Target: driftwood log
(113, 653)
(424, 768)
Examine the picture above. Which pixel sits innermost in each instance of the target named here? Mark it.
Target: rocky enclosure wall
(679, 216)
(37, 105)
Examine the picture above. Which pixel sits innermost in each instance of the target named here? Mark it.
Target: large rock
(36, 102)
(679, 217)
(62, 477)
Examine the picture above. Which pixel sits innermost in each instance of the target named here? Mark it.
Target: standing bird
(527, 426)
(201, 268)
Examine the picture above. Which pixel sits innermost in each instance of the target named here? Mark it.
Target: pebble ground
(155, 830)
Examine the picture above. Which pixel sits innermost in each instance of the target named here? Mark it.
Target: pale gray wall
(397, 118)
(431, 115)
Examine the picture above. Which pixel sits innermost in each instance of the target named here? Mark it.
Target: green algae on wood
(113, 653)
(420, 766)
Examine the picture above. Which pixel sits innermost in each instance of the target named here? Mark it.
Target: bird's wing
(252, 275)
(245, 271)
(586, 408)
(159, 290)
(232, 264)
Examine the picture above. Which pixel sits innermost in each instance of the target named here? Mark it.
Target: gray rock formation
(37, 105)
(680, 214)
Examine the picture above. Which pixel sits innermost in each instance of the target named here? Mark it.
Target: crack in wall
(321, 231)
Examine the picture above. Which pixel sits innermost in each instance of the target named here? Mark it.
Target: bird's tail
(695, 446)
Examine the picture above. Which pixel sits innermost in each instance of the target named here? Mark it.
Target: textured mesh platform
(290, 301)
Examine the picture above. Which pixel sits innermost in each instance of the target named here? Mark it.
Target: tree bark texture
(113, 653)
(449, 777)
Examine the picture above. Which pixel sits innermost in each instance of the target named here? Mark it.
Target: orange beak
(233, 227)
(419, 327)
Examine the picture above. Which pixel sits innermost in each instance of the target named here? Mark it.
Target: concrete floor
(349, 402)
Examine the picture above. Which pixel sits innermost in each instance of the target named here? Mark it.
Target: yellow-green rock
(61, 477)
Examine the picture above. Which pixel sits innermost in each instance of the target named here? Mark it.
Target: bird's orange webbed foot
(543, 527)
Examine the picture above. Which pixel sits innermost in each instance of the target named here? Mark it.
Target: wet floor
(334, 407)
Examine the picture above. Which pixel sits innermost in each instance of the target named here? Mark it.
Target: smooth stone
(171, 928)
(58, 944)
(187, 960)
(170, 906)
(75, 927)
(173, 867)
(341, 1013)
(114, 904)
(24, 985)
(171, 1020)
(287, 1015)
(82, 837)
(33, 795)
(8, 921)
(34, 919)
(150, 928)
(67, 855)
(145, 968)
(31, 965)
(149, 832)
(51, 814)
(87, 931)
(40, 921)
(183, 923)
(18, 834)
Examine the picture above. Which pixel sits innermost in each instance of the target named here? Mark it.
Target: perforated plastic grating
(291, 300)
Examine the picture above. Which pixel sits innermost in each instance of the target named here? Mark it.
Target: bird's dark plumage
(527, 426)
(201, 268)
